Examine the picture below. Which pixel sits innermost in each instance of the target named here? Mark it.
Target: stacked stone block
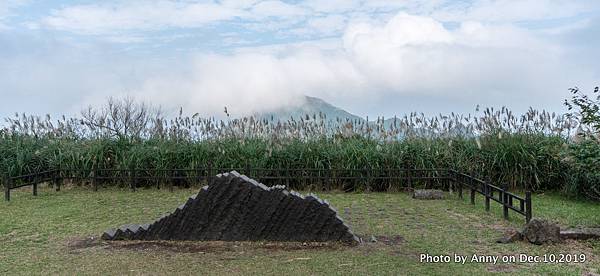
(237, 208)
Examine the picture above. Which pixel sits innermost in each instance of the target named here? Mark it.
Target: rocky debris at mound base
(510, 236)
(236, 208)
(580, 234)
(536, 231)
(428, 194)
(541, 231)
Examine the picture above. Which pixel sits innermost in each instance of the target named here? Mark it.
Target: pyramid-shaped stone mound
(237, 208)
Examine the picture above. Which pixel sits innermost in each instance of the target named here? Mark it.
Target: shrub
(584, 161)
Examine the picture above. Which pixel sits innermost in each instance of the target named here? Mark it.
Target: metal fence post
(279, 173)
(257, 173)
(446, 182)
(505, 203)
(408, 171)
(367, 178)
(487, 193)
(171, 180)
(7, 186)
(460, 184)
(288, 175)
(57, 180)
(209, 174)
(472, 195)
(133, 173)
(429, 176)
(528, 206)
(198, 175)
(94, 182)
(159, 177)
(35, 185)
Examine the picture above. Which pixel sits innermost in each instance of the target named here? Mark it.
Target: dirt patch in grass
(76, 245)
(171, 246)
(394, 245)
(219, 246)
(383, 240)
(501, 268)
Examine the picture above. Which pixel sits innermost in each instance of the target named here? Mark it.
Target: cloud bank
(370, 57)
(409, 59)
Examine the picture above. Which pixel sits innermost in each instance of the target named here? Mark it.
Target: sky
(372, 58)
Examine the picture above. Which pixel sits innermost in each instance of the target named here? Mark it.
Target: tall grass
(155, 126)
(525, 152)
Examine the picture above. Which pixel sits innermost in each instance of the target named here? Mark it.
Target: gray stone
(580, 234)
(428, 194)
(540, 231)
(510, 236)
(237, 208)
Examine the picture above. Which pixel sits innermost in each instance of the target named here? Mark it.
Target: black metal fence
(30, 180)
(508, 200)
(294, 178)
(381, 179)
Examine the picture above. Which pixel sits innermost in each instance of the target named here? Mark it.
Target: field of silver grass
(528, 151)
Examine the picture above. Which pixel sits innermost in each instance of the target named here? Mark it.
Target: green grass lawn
(50, 234)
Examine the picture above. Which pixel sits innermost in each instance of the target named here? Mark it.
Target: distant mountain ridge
(310, 106)
(313, 106)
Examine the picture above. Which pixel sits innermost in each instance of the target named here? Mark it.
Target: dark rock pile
(537, 231)
(540, 231)
(237, 208)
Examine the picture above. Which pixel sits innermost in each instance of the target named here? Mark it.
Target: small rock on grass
(428, 194)
(510, 236)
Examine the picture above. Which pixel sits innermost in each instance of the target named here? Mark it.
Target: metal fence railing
(400, 178)
(508, 200)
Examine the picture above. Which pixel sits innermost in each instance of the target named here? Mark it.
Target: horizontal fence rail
(382, 178)
(377, 179)
(30, 180)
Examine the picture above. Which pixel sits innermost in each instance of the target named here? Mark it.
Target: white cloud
(568, 28)
(511, 11)
(273, 8)
(252, 82)
(413, 53)
(408, 57)
(308, 18)
(7, 8)
(332, 6)
(378, 64)
(138, 15)
(328, 25)
(402, 30)
(121, 16)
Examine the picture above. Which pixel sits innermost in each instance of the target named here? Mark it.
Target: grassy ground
(50, 234)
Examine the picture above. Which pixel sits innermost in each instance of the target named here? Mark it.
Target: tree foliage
(585, 108)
